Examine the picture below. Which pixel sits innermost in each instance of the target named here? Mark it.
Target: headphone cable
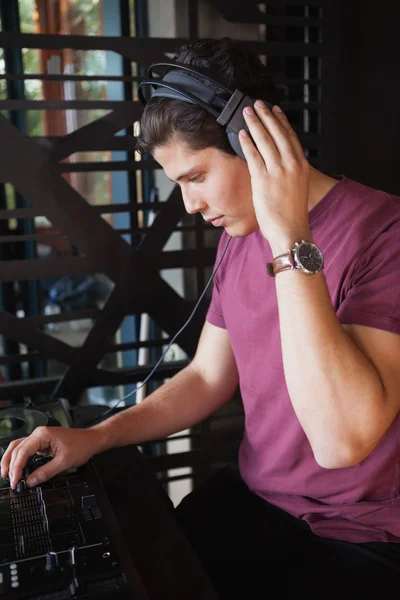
(109, 412)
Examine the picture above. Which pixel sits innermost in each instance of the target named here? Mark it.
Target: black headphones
(225, 104)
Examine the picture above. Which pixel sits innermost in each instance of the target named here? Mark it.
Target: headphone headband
(183, 87)
(179, 86)
(198, 71)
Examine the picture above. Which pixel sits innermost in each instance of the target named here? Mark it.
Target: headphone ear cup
(233, 138)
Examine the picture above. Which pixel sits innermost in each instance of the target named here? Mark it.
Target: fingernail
(31, 482)
(243, 133)
(248, 110)
(277, 108)
(260, 104)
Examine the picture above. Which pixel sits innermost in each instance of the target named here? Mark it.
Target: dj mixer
(61, 539)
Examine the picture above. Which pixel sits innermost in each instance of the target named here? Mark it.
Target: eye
(195, 179)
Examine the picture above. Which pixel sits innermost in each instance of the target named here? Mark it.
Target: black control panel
(104, 531)
(61, 540)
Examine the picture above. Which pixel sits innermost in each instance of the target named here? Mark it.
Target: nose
(193, 202)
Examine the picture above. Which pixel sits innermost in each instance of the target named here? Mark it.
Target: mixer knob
(51, 561)
(21, 486)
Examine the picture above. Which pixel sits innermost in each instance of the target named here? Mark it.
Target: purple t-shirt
(358, 231)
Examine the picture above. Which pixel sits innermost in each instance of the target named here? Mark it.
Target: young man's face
(213, 184)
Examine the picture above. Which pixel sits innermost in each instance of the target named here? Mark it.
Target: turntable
(20, 421)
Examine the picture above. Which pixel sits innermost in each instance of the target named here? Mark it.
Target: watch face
(310, 257)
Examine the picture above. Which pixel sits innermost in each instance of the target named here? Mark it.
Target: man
(315, 505)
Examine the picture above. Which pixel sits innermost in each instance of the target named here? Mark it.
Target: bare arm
(188, 398)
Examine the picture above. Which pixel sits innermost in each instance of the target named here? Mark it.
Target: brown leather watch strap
(283, 262)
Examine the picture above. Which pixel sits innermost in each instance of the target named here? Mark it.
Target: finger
(43, 452)
(254, 159)
(292, 136)
(5, 461)
(261, 138)
(21, 455)
(52, 468)
(280, 134)
(16, 463)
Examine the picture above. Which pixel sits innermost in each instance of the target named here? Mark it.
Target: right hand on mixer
(67, 447)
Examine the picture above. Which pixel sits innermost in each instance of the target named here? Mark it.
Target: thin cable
(112, 409)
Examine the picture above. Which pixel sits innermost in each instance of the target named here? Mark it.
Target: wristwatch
(305, 257)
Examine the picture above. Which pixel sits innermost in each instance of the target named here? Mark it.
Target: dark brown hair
(165, 118)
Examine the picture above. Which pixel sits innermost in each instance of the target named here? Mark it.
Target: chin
(241, 229)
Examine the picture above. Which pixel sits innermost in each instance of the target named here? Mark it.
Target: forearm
(335, 390)
(179, 404)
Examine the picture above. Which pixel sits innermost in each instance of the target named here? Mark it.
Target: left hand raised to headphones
(279, 173)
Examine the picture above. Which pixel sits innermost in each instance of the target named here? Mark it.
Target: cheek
(244, 183)
(240, 194)
(229, 192)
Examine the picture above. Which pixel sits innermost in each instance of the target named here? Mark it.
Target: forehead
(176, 158)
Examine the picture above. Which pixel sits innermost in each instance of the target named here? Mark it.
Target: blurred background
(99, 264)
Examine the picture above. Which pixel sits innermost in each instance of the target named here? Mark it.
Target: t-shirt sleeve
(215, 314)
(373, 297)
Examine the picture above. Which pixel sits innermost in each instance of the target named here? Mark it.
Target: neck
(320, 185)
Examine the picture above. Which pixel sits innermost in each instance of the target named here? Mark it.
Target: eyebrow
(186, 174)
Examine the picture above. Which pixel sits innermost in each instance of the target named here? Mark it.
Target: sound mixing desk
(55, 542)
(104, 530)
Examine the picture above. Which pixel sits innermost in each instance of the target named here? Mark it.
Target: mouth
(216, 221)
